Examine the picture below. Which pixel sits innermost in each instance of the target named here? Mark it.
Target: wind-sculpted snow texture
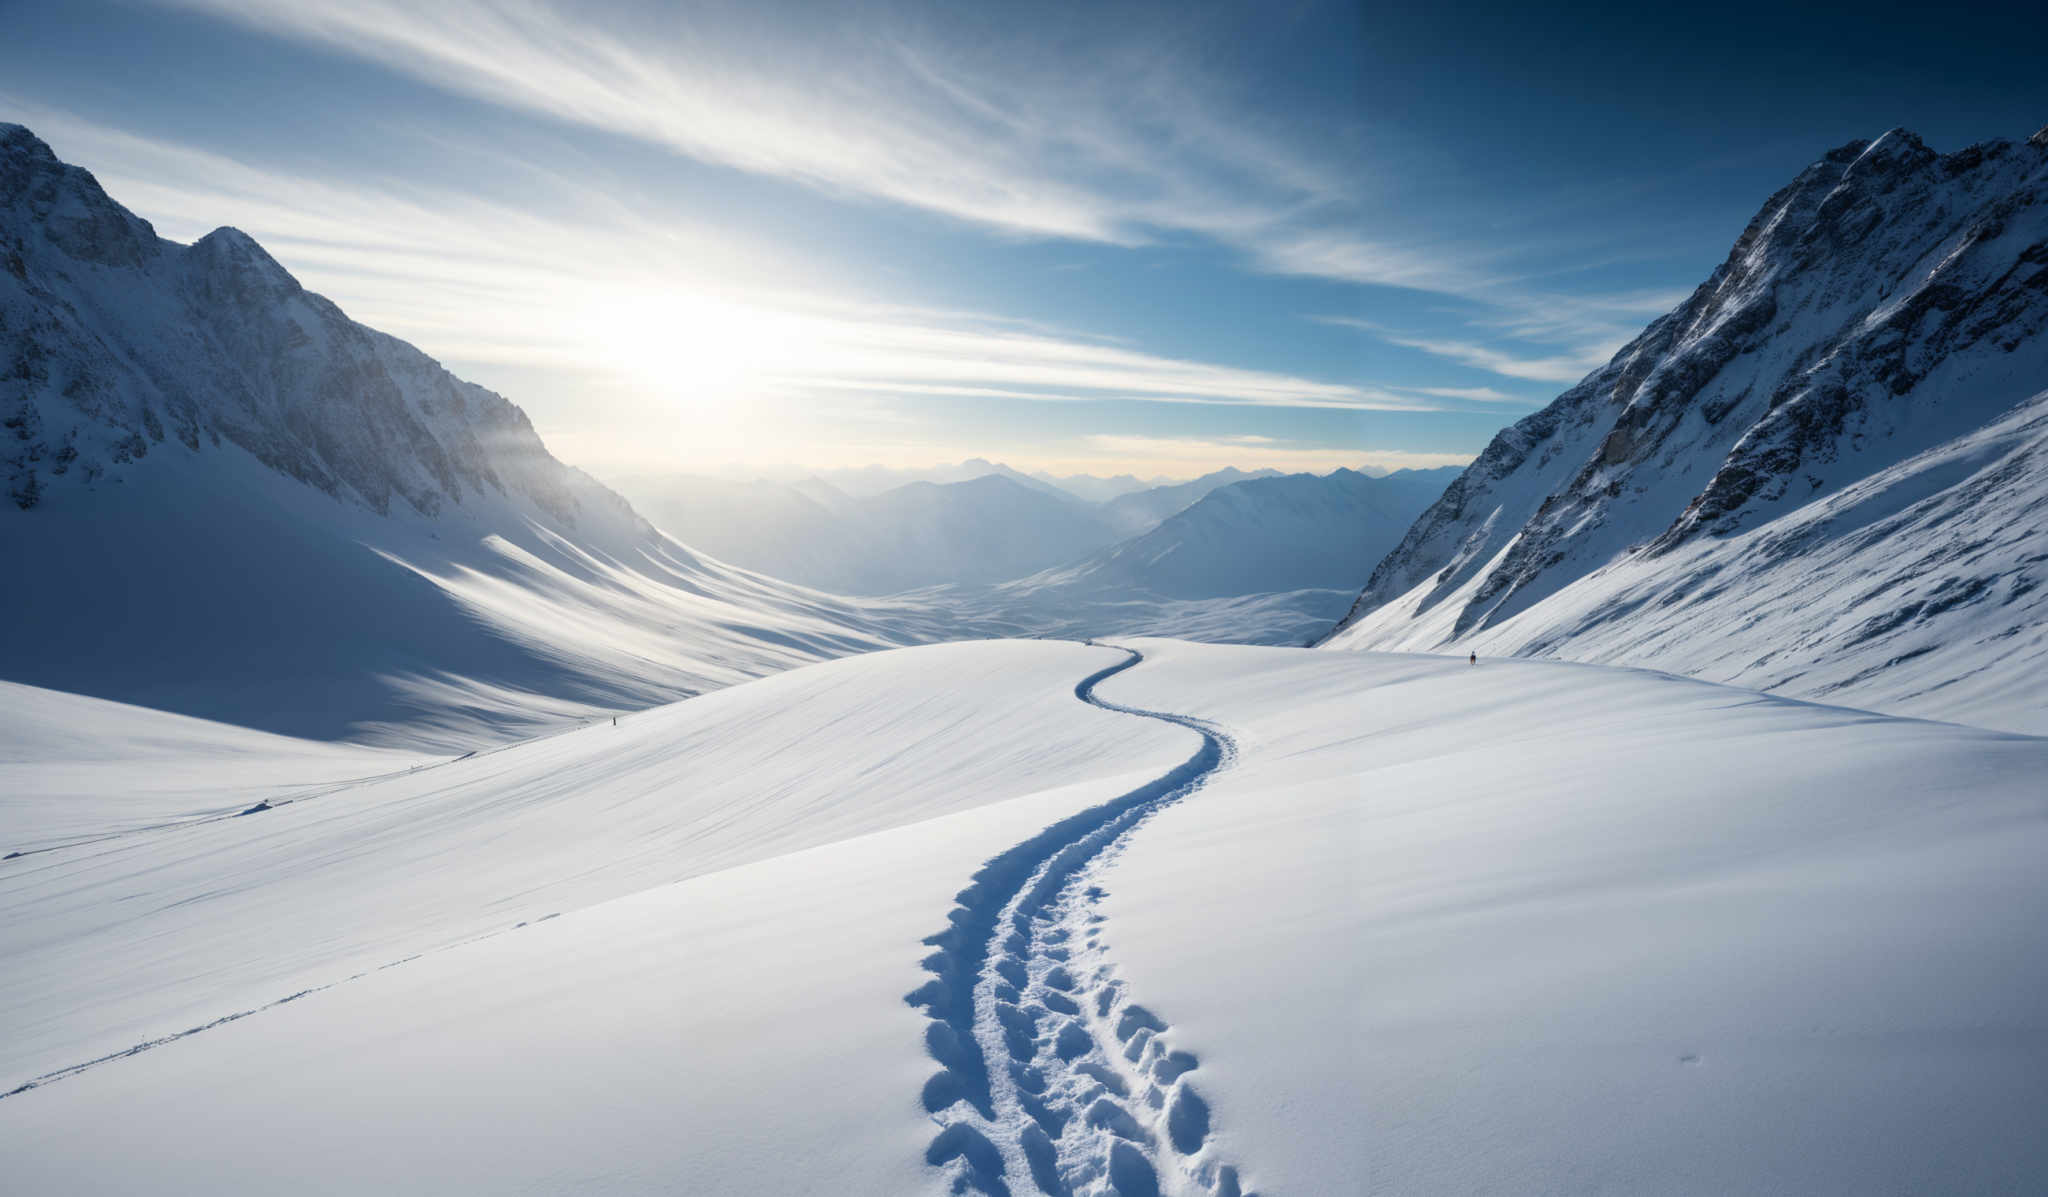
(1053, 1079)
(1889, 302)
(338, 537)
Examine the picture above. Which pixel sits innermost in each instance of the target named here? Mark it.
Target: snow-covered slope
(1418, 927)
(1262, 535)
(76, 769)
(742, 1031)
(230, 500)
(1890, 303)
(1535, 927)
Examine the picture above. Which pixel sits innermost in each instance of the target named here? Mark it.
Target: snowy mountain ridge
(232, 501)
(1888, 302)
(223, 344)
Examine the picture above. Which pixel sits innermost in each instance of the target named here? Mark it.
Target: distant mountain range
(1824, 474)
(995, 525)
(985, 529)
(1138, 512)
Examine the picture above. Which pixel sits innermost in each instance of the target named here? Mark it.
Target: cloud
(1476, 394)
(1097, 138)
(1082, 130)
(1563, 368)
(1347, 257)
(1568, 367)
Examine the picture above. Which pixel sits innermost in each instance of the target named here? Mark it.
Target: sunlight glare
(689, 346)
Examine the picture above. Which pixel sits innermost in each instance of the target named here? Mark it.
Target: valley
(1653, 805)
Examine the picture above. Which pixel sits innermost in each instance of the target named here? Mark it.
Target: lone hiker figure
(1475, 658)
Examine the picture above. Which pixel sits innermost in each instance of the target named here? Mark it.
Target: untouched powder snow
(74, 769)
(1332, 922)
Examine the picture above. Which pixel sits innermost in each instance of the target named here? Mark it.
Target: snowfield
(965, 918)
(78, 769)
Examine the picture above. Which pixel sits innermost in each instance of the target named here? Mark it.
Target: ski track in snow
(1053, 1079)
(151, 1044)
(268, 804)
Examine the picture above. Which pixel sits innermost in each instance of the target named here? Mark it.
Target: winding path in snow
(1052, 1079)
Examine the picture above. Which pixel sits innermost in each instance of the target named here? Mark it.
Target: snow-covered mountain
(989, 529)
(1091, 488)
(978, 523)
(1822, 474)
(230, 500)
(1268, 560)
(863, 482)
(1290, 532)
(1141, 511)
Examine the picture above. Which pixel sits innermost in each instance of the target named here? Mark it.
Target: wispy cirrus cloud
(666, 308)
(1565, 367)
(1561, 368)
(1096, 138)
(1086, 132)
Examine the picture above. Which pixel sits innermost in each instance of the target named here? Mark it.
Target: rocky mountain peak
(163, 348)
(67, 205)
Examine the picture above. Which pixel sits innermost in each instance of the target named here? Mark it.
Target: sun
(696, 347)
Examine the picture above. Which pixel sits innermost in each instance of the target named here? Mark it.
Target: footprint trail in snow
(1053, 1080)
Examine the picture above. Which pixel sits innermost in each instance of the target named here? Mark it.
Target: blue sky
(1100, 237)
